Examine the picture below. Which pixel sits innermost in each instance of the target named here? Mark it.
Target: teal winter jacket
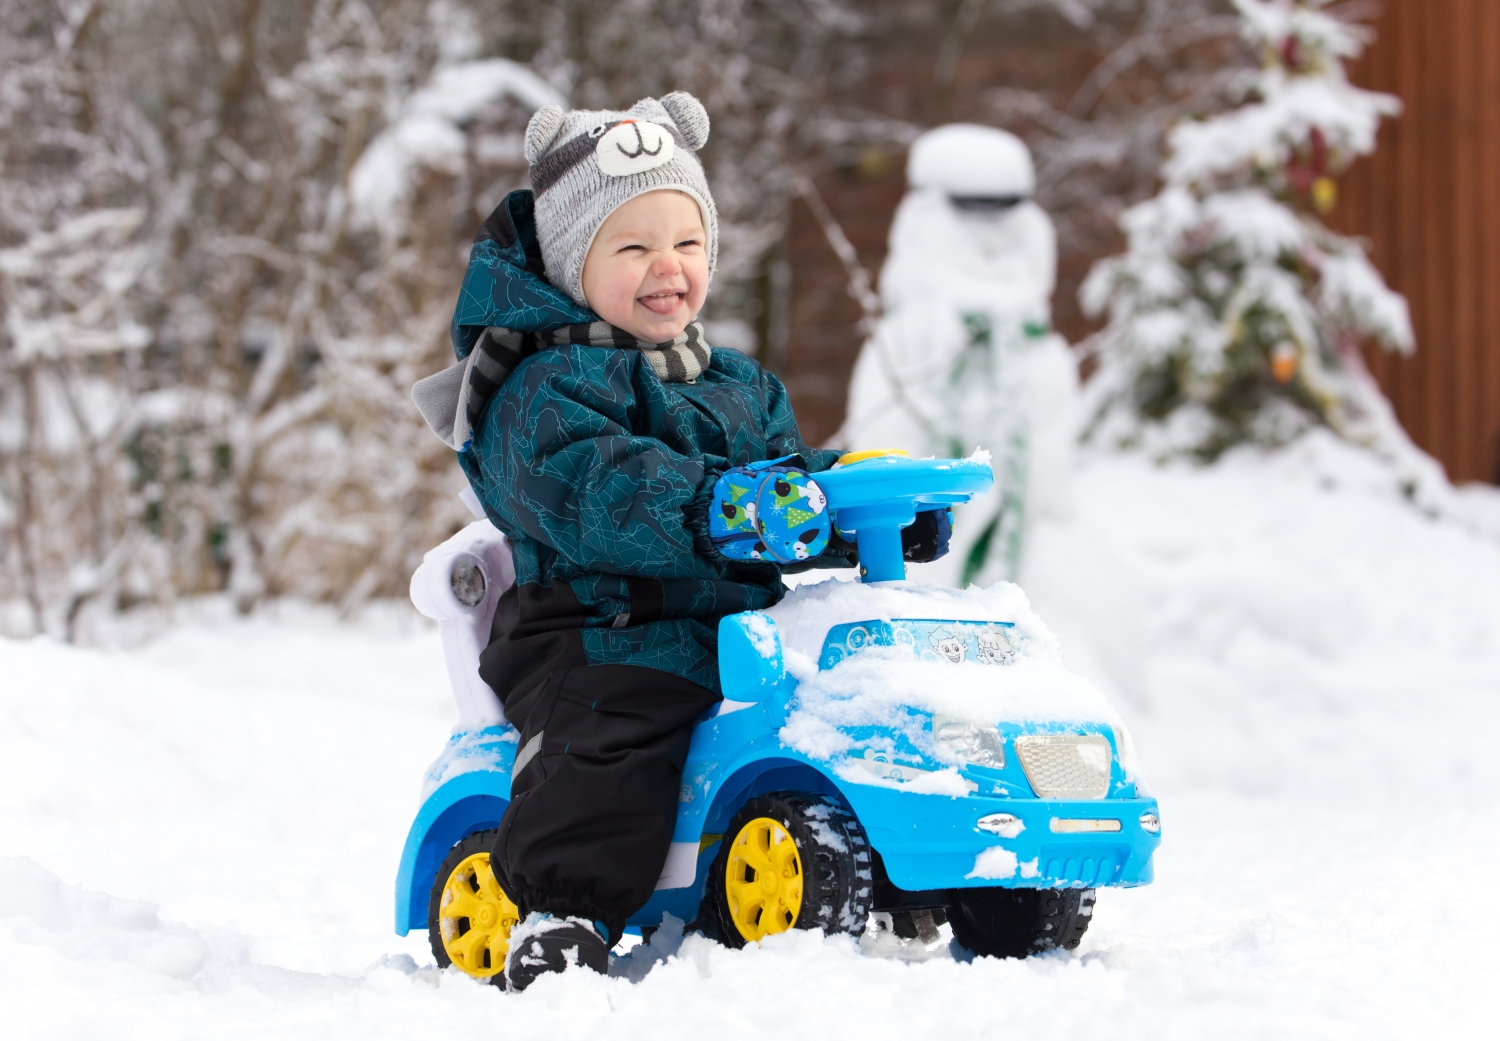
(601, 474)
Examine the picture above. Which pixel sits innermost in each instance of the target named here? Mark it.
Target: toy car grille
(1065, 766)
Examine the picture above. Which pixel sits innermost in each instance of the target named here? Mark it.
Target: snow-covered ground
(198, 835)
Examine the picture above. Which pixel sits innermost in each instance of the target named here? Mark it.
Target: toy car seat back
(458, 585)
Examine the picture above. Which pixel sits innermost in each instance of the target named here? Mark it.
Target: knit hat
(587, 164)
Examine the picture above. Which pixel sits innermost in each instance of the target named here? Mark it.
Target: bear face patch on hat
(633, 146)
(585, 164)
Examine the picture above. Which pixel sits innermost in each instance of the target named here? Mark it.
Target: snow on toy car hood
(808, 612)
(881, 686)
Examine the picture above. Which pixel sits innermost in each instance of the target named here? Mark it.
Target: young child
(593, 421)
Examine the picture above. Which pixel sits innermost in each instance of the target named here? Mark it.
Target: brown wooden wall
(1429, 201)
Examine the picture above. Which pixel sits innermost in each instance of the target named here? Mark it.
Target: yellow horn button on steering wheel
(763, 879)
(849, 458)
(476, 918)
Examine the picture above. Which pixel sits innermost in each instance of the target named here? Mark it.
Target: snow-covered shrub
(1235, 315)
(206, 342)
(230, 240)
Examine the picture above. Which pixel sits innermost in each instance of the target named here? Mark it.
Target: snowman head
(967, 162)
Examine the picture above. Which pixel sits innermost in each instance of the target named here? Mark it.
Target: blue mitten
(770, 510)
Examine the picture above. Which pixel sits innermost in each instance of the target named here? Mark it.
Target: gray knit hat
(587, 164)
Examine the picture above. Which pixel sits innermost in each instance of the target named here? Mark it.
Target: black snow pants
(598, 769)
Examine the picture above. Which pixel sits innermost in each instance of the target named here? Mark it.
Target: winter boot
(543, 944)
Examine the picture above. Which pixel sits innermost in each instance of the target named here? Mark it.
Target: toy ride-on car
(882, 747)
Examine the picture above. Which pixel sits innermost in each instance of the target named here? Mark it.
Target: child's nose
(666, 265)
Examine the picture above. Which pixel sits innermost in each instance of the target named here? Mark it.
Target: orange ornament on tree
(1283, 362)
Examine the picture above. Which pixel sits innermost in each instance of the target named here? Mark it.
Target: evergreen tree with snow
(1235, 315)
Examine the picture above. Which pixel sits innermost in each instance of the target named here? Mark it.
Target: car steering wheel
(876, 494)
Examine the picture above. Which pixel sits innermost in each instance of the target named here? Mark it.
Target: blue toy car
(883, 748)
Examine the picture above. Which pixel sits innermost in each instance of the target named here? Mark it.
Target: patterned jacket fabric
(601, 474)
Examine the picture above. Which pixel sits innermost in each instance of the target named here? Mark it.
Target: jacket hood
(506, 283)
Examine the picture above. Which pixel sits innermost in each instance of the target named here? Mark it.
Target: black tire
(479, 842)
(835, 858)
(1017, 923)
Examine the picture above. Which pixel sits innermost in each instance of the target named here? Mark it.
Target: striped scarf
(499, 351)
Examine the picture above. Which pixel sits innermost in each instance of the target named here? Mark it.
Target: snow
(995, 862)
(947, 781)
(875, 687)
(201, 832)
(822, 833)
(1007, 826)
(1266, 134)
(1349, 636)
(467, 751)
(425, 132)
(762, 635)
(1353, 291)
(966, 159)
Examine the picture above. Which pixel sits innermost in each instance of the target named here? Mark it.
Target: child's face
(647, 271)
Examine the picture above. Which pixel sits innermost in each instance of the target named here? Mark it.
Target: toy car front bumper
(936, 841)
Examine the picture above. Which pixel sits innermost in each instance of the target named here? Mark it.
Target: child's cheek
(612, 289)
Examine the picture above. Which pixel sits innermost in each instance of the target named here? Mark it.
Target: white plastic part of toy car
(457, 586)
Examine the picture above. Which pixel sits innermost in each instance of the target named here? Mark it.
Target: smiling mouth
(663, 303)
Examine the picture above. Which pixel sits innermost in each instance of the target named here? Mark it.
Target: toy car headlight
(968, 741)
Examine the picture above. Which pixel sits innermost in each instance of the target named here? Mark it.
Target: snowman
(964, 356)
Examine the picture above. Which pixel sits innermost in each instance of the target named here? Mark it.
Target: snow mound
(1291, 621)
(38, 909)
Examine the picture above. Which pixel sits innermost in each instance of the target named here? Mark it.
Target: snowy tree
(72, 268)
(1098, 146)
(230, 238)
(1235, 315)
(206, 351)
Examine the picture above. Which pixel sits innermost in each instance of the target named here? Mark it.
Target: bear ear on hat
(689, 115)
(542, 131)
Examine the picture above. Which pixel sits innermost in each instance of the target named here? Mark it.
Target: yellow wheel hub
(476, 918)
(763, 879)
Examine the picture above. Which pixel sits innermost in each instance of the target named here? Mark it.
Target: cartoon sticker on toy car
(995, 647)
(949, 644)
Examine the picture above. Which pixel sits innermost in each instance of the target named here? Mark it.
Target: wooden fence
(1429, 201)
